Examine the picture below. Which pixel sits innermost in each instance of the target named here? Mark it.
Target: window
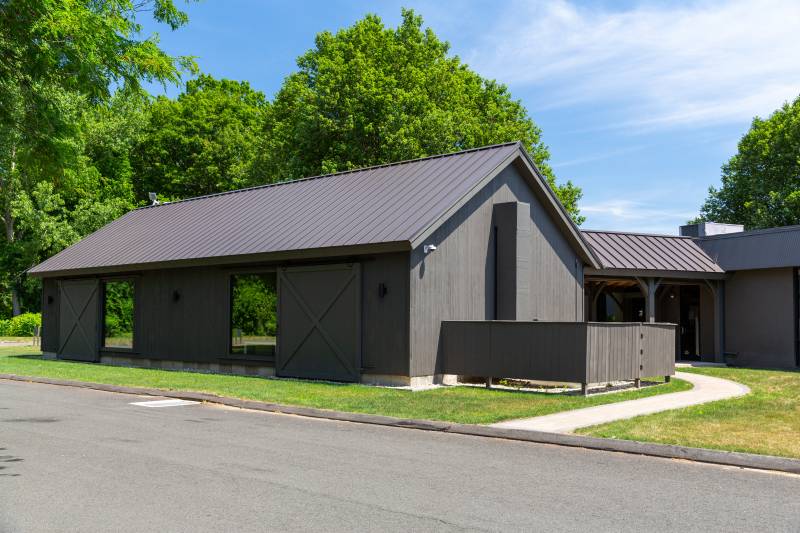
(118, 314)
(254, 314)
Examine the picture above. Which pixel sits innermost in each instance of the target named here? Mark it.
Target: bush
(21, 325)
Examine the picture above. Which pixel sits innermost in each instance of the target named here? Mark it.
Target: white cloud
(647, 216)
(702, 63)
(592, 158)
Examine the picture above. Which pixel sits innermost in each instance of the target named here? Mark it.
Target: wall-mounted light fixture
(382, 290)
(176, 296)
(428, 248)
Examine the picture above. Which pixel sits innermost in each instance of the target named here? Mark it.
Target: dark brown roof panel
(383, 204)
(638, 251)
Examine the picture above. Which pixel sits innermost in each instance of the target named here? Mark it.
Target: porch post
(597, 291)
(651, 300)
(649, 286)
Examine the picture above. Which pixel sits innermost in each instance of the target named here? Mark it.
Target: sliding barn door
(79, 330)
(319, 322)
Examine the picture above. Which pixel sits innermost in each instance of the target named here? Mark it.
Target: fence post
(640, 345)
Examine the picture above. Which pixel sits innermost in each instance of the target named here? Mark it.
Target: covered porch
(662, 279)
(694, 305)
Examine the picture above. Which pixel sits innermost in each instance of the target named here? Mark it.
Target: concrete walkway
(706, 389)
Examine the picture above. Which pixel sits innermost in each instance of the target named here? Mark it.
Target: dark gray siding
(456, 282)
(581, 352)
(768, 248)
(195, 327)
(192, 328)
(759, 318)
(50, 306)
(385, 319)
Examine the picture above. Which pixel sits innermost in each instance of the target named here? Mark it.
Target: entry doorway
(689, 331)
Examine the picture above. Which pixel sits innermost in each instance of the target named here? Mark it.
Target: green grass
(456, 404)
(766, 421)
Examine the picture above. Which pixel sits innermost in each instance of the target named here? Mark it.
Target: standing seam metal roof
(381, 204)
(640, 251)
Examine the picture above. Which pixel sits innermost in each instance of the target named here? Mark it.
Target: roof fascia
(420, 237)
(554, 205)
(228, 260)
(644, 273)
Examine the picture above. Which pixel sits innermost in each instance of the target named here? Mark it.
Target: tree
(761, 183)
(203, 142)
(371, 94)
(55, 58)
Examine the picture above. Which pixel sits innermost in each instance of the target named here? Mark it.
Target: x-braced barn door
(319, 322)
(79, 331)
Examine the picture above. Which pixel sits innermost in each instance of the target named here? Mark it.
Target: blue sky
(640, 102)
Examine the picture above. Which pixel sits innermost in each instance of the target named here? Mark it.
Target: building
(733, 293)
(350, 276)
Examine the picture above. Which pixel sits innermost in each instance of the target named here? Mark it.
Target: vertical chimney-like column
(513, 260)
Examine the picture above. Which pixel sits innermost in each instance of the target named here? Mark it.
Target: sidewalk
(706, 389)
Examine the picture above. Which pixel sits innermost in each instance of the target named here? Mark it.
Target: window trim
(115, 279)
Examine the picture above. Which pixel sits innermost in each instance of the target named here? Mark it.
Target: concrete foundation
(190, 366)
(416, 382)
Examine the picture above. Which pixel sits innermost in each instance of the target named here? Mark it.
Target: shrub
(5, 325)
(22, 325)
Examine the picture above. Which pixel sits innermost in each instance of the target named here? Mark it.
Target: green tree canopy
(761, 183)
(204, 141)
(371, 95)
(57, 57)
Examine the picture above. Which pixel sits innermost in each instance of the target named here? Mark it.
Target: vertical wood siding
(385, 318)
(50, 323)
(573, 352)
(456, 282)
(759, 325)
(196, 326)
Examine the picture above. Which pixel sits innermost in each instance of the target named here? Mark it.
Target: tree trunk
(15, 310)
(8, 221)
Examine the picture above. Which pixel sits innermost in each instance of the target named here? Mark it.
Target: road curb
(742, 460)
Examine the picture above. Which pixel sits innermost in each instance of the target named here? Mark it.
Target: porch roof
(641, 254)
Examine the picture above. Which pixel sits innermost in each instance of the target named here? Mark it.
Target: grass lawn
(16, 339)
(766, 421)
(456, 404)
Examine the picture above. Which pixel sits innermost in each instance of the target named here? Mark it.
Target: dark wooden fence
(567, 352)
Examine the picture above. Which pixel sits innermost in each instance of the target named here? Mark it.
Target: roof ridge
(342, 172)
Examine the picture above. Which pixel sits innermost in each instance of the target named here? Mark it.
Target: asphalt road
(81, 460)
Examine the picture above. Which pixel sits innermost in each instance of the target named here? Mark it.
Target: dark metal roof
(767, 248)
(391, 203)
(643, 252)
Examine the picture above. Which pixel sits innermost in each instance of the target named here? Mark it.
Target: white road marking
(164, 403)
